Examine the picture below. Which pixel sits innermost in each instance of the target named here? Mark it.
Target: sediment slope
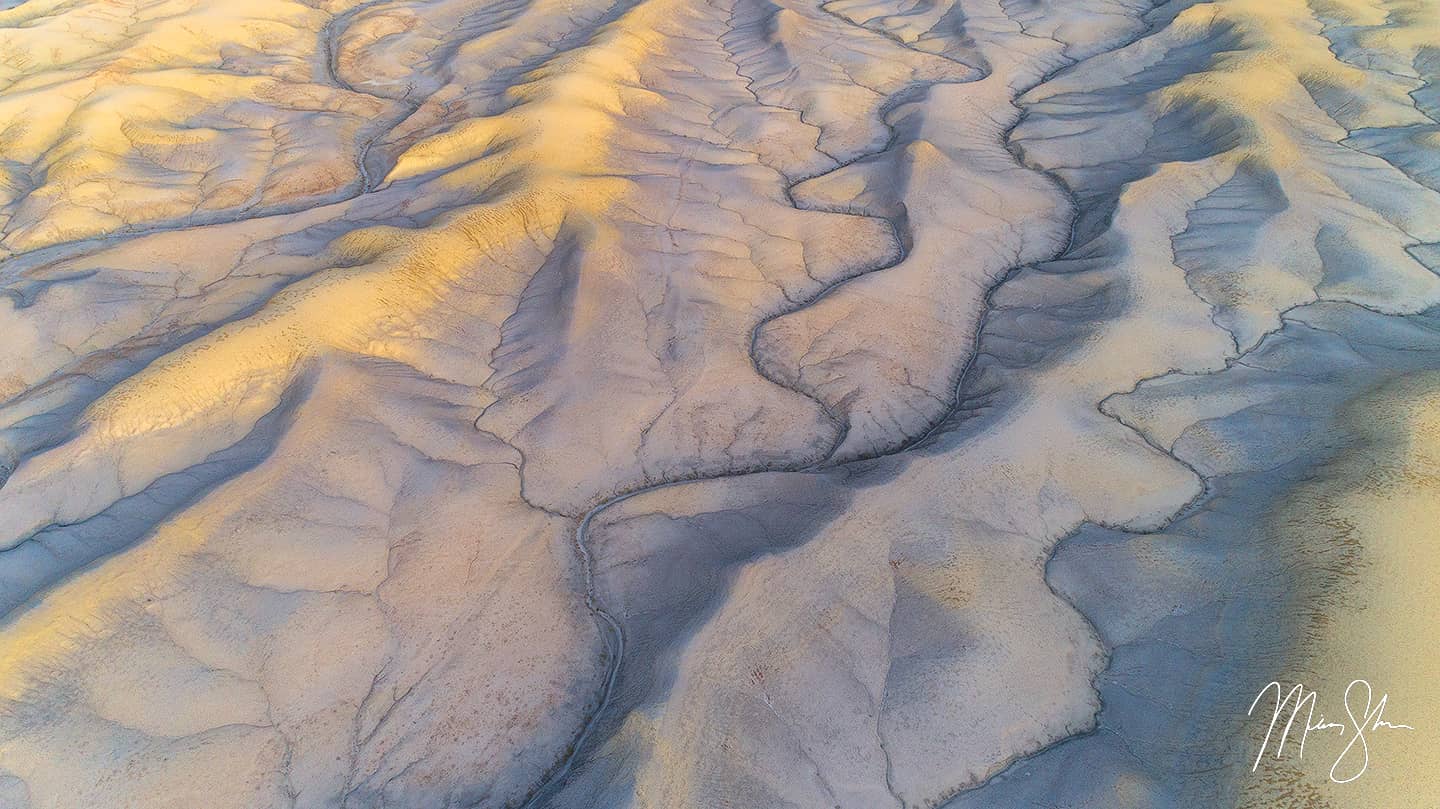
(667, 403)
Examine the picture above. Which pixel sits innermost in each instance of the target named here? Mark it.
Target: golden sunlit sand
(711, 403)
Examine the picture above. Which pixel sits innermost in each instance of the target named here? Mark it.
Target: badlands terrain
(715, 404)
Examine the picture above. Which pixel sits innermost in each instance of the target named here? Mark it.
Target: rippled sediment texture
(746, 403)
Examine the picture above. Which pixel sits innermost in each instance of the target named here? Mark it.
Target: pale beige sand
(1379, 498)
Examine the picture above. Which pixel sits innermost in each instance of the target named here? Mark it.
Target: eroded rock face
(679, 404)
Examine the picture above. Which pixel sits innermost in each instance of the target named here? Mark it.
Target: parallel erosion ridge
(670, 404)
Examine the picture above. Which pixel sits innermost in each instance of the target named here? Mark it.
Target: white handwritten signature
(1364, 721)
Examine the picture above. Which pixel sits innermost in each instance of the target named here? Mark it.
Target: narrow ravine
(671, 404)
(611, 627)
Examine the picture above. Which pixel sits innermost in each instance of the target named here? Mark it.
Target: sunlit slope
(938, 564)
(1313, 456)
(188, 439)
(125, 116)
(329, 325)
(1256, 105)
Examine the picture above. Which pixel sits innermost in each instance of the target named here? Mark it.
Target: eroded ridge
(656, 403)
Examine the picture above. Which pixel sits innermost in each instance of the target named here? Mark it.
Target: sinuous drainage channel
(610, 626)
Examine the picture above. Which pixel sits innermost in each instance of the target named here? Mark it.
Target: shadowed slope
(672, 403)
